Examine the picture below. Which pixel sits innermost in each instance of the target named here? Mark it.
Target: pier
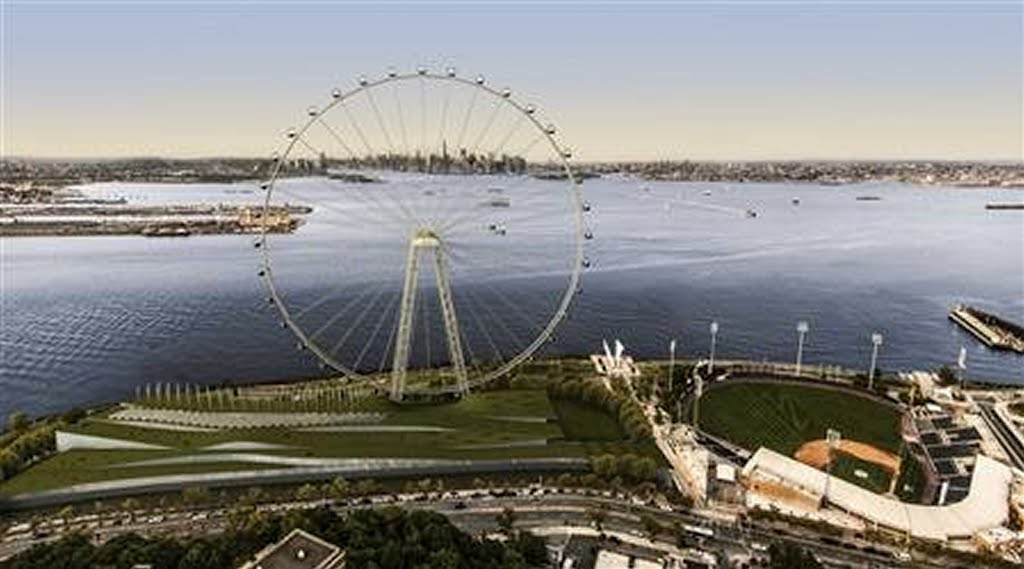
(993, 331)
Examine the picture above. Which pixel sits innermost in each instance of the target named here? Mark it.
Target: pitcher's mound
(815, 453)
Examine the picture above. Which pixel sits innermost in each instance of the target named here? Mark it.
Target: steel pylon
(426, 241)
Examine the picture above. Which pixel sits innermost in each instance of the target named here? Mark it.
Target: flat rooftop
(299, 550)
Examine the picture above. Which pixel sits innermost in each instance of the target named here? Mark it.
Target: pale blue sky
(702, 80)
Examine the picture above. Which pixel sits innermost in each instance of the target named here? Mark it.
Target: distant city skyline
(733, 80)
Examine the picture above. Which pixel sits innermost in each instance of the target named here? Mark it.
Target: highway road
(549, 513)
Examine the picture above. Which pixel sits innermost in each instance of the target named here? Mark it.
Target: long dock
(991, 330)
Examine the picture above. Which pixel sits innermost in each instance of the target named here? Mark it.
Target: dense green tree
(17, 422)
(506, 520)
(387, 538)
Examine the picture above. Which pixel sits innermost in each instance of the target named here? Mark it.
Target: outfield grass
(784, 416)
(844, 466)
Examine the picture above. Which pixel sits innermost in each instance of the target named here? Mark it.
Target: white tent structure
(986, 505)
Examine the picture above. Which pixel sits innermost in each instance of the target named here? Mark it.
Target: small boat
(751, 213)
(796, 201)
(498, 201)
(869, 198)
(707, 192)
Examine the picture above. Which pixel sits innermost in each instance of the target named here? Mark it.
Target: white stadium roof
(986, 505)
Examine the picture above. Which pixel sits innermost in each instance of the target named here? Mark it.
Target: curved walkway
(396, 468)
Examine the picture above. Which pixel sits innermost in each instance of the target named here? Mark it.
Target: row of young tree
(387, 538)
(619, 404)
(629, 467)
(24, 442)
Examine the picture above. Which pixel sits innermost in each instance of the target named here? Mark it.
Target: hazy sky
(637, 80)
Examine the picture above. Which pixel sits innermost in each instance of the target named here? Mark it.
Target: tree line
(387, 538)
(618, 404)
(23, 443)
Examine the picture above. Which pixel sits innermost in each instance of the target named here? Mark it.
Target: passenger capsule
(550, 129)
(257, 244)
(479, 79)
(422, 70)
(312, 111)
(588, 235)
(300, 346)
(506, 92)
(566, 153)
(450, 71)
(392, 73)
(261, 273)
(530, 109)
(270, 300)
(586, 263)
(336, 93)
(291, 133)
(363, 81)
(283, 325)
(586, 207)
(265, 186)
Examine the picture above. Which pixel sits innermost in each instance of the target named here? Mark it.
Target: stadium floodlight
(671, 363)
(876, 341)
(801, 329)
(713, 328)
(698, 392)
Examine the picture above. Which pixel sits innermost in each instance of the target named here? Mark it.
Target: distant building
(298, 550)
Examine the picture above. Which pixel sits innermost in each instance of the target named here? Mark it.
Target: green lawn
(784, 416)
(581, 422)
(77, 467)
(479, 425)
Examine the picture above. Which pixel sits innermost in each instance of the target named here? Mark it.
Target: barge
(993, 331)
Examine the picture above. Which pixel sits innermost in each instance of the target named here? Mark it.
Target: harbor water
(87, 319)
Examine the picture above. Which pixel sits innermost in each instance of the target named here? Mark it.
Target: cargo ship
(993, 331)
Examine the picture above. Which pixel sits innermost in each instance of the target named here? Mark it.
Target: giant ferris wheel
(446, 239)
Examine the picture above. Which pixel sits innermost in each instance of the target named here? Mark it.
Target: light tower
(876, 341)
(671, 363)
(801, 329)
(425, 240)
(713, 328)
(698, 391)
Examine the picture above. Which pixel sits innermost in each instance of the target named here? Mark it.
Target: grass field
(580, 422)
(784, 416)
(845, 466)
(480, 427)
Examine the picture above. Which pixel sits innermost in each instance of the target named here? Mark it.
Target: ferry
(993, 331)
(166, 231)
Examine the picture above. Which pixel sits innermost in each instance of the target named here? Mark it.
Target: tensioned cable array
(505, 247)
